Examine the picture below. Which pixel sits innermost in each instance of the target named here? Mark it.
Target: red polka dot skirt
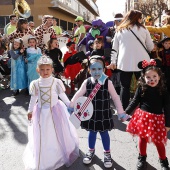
(148, 125)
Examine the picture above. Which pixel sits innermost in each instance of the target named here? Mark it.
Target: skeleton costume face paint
(151, 78)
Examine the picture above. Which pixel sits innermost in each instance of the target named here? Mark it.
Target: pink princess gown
(52, 139)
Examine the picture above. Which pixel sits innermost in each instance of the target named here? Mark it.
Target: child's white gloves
(123, 117)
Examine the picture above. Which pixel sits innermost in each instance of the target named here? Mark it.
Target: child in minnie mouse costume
(102, 119)
(151, 120)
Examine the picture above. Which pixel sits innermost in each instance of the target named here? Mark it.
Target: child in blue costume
(18, 67)
(102, 119)
(32, 56)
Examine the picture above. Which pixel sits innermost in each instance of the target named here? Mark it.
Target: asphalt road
(13, 139)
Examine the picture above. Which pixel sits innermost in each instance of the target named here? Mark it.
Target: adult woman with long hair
(22, 31)
(164, 29)
(128, 51)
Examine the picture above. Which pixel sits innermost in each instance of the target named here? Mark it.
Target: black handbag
(150, 55)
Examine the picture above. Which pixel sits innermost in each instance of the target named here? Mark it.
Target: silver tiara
(44, 60)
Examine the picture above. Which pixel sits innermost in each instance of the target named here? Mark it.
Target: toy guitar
(83, 107)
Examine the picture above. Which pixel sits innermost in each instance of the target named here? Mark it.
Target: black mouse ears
(153, 62)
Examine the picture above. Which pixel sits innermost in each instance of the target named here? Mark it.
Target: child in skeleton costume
(52, 139)
(101, 120)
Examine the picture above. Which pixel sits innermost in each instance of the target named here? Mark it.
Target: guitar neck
(90, 97)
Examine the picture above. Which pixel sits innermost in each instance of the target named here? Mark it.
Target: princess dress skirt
(148, 125)
(52, 139)
(18, 74)
(31, 67)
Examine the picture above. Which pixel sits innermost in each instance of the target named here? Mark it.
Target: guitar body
(78, 116)
(83, 107)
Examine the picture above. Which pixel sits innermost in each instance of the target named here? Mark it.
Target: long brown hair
(130, 20)
(50, 42)
(20, 22)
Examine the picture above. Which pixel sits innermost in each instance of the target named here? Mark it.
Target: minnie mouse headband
(145, 64)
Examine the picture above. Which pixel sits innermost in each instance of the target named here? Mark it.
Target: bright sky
(108, 7)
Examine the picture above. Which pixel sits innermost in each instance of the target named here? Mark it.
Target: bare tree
(153, 8)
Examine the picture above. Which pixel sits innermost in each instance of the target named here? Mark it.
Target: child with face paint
(151, 120)
(101, 120)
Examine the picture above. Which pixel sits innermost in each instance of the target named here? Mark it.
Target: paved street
(13, 139)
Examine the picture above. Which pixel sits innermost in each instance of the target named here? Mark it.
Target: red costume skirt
(148, 125)
(72, 70)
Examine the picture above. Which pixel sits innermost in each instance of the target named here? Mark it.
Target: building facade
(132, 4)
(65, 11)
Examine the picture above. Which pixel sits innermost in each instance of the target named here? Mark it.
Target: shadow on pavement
(78, 164)
(6, 113)
(118, 124)
(150, 167)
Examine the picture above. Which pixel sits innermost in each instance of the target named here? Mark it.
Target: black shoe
(88, 157)
(164, 164)
(141, 164)
(15, 92)
(107, 160)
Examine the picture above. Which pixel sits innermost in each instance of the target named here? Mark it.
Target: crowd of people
(106, 68)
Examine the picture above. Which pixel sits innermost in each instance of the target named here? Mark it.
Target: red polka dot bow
(151, 63)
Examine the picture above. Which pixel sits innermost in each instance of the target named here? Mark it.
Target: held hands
(123, 117)
(70, 110)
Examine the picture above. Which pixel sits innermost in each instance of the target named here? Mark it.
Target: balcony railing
(75, 7)
(93, 5)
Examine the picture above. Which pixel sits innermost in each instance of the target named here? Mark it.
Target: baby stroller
(4, 71)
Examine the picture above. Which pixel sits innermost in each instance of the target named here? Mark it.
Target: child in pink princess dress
(151, 120)
(52, 139)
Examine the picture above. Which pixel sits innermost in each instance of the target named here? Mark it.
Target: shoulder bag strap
(140, 41)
